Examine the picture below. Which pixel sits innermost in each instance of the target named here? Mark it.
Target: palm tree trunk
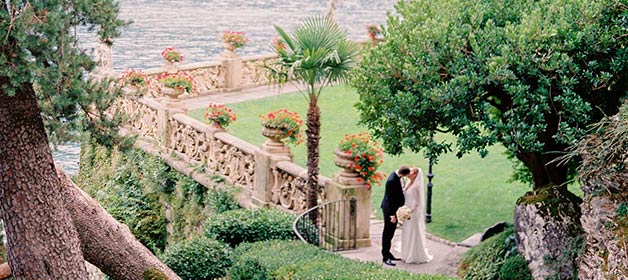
(313, 154)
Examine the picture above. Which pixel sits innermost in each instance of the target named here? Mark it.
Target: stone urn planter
(172, 93)
(274, 145)
(347, 174)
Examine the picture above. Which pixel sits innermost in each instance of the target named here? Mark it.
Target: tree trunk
(106, 243)
(42, 241)
(544, 171)
(313, 154)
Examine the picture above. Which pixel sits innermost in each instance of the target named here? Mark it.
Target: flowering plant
(373, 30)
(278, 43)
(234, 39)
(367, 156)
(134, 77)
(220, 114)
(179, 80)
(286, 121)
(172, 55)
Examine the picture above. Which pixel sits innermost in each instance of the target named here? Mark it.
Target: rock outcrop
(547, 231)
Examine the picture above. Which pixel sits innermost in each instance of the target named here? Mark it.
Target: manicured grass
(469, 194)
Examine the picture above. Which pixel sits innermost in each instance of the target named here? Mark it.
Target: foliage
(220, 114)
(470, 193)
(149, 183)
(172, 55)
(515, 268)
(492, 257)
(199, 258)
(373, 30)
(366, 154)
(154, 274)
(234, 40)
(288, 122)
(223, 199)
(528, 74)
(179, 80)
(250, 225)
(134, 77)
(298, 260)
(39, 53)
(115, 180)
(604, 152)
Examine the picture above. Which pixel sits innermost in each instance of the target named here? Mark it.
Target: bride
(413, 233)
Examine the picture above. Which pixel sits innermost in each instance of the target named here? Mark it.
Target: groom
(393, 199)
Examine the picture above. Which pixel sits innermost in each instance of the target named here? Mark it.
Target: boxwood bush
(250, 225)
(198, 258)
(494, 259)
(285, 259)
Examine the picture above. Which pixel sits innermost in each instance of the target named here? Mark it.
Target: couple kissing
(412, 196)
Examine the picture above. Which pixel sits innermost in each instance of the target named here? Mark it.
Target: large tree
(43, 89)
(316, 55)
(530, 75)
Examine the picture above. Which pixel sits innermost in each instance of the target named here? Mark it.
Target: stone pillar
(232, 63)
(263, 182)
(362, 194)
(104, 61)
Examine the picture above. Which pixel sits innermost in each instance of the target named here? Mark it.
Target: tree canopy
(40, 50)
(531, 75)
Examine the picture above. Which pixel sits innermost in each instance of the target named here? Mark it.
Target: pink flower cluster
(172, 55)
(234, 39)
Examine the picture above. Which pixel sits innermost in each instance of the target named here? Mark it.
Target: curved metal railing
(331, 225)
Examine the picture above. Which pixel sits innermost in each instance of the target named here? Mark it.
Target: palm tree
(316, 55)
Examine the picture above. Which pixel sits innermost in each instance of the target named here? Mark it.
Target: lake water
(194, 28)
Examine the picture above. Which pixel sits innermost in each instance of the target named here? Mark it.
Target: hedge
(199, 258)
(284, 259)
(250, 225)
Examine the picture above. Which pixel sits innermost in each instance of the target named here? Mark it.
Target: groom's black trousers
(387, 236)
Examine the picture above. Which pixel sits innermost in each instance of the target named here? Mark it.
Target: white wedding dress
(413, 231)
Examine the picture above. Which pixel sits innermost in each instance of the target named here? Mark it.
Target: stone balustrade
(265, 174)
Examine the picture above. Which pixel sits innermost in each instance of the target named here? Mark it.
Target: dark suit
(393, 199)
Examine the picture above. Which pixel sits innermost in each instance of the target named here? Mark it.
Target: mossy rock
(154, 274)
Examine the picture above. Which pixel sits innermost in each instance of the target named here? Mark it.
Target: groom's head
(403, 171)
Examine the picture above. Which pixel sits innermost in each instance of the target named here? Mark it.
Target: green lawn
(469, 194)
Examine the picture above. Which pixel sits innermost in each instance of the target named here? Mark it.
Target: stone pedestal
(262, 194)
(232, 63)
(170, 67)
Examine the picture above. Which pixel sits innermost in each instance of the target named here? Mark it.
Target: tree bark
(313, 154)
(42, 241)
(106, 243)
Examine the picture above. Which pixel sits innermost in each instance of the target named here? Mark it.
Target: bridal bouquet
(404, 213)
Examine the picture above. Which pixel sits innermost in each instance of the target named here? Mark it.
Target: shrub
(222, 200)
(515, 268)
(298, 260)
(198, 258)
(493, 257)
(250, 225)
